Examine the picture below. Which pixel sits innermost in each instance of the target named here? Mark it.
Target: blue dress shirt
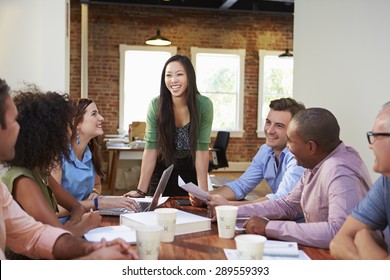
(281, 178)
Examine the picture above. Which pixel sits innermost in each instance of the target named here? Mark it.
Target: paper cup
(166, 217)
(226, 220)
(148, 241)
(250, 246)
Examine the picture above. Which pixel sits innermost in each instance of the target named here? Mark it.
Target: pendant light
(158, 40)
(286, 54)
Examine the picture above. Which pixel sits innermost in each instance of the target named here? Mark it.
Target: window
(275, 81)
(220, 76)
(140, 78)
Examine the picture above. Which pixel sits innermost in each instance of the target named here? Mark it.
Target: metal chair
(218, 152)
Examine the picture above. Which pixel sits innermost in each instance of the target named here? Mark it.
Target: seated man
(20, 232)
(361, 235)
(273, 162)
(335, 181)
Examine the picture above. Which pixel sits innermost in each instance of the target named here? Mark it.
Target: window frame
(239, 131)
(262, 54)
(122, 50)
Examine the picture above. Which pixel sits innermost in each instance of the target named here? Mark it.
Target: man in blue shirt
(273, 162)
(361, 235)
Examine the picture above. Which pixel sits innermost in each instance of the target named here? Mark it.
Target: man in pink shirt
(20, 232)
(335, 181)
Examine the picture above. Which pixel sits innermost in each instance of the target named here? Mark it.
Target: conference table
(204, 245)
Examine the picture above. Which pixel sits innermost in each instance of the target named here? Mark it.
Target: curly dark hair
(45, 119)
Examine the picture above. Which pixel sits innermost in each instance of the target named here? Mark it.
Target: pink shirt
(325, 196)
(21, 233)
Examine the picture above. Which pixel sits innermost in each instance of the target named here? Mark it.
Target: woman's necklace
(46, 183)
(50, 192)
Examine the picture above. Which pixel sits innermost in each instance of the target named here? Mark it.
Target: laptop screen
(160, 187)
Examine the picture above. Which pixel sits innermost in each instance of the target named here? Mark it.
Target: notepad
(275, 250)
(281, 248)
(231, 254)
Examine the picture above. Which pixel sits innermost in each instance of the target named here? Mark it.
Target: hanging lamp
(286, 54)
(158, 40)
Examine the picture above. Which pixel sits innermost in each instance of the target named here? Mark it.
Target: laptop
(144, 206)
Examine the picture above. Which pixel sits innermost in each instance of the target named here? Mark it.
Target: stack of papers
(185, 222)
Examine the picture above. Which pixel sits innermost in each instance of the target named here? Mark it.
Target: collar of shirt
(86, 157)
(318, 166)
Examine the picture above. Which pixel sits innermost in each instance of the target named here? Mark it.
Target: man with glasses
(361, 236)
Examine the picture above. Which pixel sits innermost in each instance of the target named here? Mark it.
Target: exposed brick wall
(111, 25)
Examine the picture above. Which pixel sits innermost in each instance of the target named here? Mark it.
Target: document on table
(275, 250)
(193, 189)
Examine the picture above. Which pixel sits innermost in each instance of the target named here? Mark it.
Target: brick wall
(111, 25)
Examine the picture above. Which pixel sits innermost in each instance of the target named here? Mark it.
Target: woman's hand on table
(121, 202)
(135, 193)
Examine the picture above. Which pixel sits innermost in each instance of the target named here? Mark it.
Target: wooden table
(204, 245)
(118, 152)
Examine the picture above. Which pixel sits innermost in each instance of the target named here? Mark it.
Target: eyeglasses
(371, 136)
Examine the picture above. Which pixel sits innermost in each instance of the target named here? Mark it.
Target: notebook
(144, 206)
(275, 250)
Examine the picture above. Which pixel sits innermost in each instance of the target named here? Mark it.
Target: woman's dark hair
(4, 93)
(45, 119)
(80, 109)
(165, 115)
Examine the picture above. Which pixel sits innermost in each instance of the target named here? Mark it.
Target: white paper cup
(226, 220)
(148, 241)
(250, 246)
(166, 217)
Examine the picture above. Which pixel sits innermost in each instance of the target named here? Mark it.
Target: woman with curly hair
(45, 122)
(80, 174)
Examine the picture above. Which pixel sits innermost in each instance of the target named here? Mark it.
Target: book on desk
(185, 222)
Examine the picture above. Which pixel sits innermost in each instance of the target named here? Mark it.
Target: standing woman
(81, 174)
(178, 128)
(45, 121)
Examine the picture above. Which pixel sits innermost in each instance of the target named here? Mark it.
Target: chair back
(219, 149)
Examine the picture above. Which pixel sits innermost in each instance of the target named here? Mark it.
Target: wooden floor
(218, 179)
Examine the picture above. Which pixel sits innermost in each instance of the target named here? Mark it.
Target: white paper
(231, 254)
(281, 248)
(110, 233)
(193, 189)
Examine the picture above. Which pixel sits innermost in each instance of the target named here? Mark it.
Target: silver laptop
(143, 206)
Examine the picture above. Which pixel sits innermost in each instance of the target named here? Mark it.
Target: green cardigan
(205, 111)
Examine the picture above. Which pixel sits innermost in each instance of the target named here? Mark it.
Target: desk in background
(121, 151)
(204, 245)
